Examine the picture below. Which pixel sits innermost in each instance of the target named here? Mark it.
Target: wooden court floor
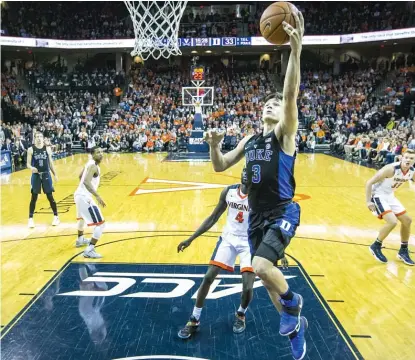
(153, 204)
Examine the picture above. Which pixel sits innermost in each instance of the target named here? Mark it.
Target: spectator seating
(110, 20)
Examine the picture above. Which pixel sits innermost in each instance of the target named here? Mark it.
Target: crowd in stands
(338, 110)
(66, 107)
(151, 117)
(110, 20)
(56, 77)
(341, 112)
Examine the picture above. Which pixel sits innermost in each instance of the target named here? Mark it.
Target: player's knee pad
(81, 224)
(98, 231)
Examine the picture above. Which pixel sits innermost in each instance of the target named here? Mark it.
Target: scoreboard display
(198, 73)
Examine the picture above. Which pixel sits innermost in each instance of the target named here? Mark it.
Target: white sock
(196, 312)
(90, 247)
(242, 310)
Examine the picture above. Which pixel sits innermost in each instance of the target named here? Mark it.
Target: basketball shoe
(81, 241)
(56, 221)
(191, 327)
(239, 323)
(376, 250)
(297, 339)
(92, 254)
(290, 316)
(31, 223)
(403, 255)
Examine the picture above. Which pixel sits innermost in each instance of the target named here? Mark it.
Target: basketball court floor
(131, 303)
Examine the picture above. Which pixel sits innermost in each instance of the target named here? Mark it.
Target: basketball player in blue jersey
(40, 162)
(274, 216)
(232, 243)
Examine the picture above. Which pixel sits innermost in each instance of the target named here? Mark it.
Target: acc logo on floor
(134, 311)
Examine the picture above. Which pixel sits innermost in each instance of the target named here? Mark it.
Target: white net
(156, 27)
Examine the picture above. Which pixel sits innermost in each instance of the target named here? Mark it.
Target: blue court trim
(312, 285)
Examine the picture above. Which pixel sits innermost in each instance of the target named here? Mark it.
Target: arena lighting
(227, 52)
(208, 51)
(194, 51)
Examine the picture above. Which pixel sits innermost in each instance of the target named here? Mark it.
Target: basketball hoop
(156, 27)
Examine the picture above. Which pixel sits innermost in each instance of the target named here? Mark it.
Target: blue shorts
(41, 181)
(270, 232)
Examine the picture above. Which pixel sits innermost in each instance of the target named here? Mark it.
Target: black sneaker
(239, 323)
(376, 251)
(403, 255)
(191, 327)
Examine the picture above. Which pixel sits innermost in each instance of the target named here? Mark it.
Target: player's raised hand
(183, 245)
(296, 35)
(213, 137)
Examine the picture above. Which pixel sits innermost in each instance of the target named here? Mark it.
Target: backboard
(191, 95)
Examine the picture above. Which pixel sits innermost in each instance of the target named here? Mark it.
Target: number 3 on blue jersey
(256, 177)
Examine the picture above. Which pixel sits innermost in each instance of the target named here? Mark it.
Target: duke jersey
(270, 173)
(40, 159)
(82, 190)
(238, 211)
(389, 185)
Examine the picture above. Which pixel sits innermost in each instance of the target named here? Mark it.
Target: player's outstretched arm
(386, 172)
(209, 222)
(289, 122)
(222, 162)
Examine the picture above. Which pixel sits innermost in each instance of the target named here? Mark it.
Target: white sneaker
(82, 242)
(92, 254)
(56, 221)
(31, 223)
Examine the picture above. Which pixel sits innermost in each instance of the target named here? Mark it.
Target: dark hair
(93, 149)
(277, 96)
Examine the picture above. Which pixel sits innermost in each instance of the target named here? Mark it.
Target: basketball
(271, 22)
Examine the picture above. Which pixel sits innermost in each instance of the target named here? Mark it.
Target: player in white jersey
(381, 201)
(232, 243)
(87, 210)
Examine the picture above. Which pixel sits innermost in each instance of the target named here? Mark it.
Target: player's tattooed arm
(385, 172)
(209, 222)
